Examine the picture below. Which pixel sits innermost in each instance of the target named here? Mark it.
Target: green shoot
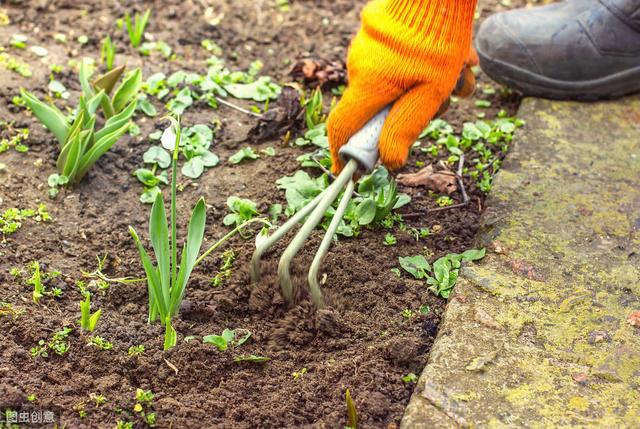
(313, 109)
(167, 281)
(97, 398)
(352, 415)
(107, 53)
(135, 29)
(36, 282)
(390, 239)
(410, 378)
(88, 321)
(242, 154)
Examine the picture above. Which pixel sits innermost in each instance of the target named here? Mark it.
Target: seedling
(37, 281)
(410, 378)
(445, 270)
(298, 374)
(11, 219)
(97, 398)
(229, 337)
(352, 414)
(100, 342)
(228, 257)
(167, 280)
(57, 344)
(107, 53)
(80, 145)
(135, 350)
(16, 138)
(88, 321)
(242, 154)
(313, 109)
(407, 313)
(390, 239)
(242, 210)
(135, 29)
(144, 399)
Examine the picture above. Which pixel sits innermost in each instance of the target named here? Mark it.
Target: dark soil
(360, 342)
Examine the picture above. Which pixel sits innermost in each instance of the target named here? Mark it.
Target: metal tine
(315, 217)
(278, 234)
(314, 285)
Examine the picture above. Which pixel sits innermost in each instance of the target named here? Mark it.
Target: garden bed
(379, 325)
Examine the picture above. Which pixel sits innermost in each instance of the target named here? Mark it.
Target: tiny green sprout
(228, 257)
(100, 342)
(88, 321)
(136, 350)
(60, 38)
(79, 408)
(56, 68)
(144, 396)
(57, 344)
(483, 103)
(83, 39)
(390, 239)
(444, 201)
(410, 378)
(135, 29)
(352, 414)
(298, 374)
(396, 271)
(407, 313)
(97, 398)
(15, 272)
(31, 397)
(424, 309)
(36, 282)
(229, 337)
(18, 41)
(107, 53)
(124, 425)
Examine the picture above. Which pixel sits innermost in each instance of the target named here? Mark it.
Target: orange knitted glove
(409, 53)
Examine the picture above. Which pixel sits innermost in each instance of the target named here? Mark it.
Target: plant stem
(174, 175)
(227, 236)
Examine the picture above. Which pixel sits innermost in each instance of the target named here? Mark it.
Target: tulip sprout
(167, 280)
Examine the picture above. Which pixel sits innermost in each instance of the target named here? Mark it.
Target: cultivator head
(360, 153)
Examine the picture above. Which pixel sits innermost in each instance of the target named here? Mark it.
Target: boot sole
(532, 84)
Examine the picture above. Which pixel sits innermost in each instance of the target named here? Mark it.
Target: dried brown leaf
(443, 182)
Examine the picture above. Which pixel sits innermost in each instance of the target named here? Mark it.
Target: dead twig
(238, 108)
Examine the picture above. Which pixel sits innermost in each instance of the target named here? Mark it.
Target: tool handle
(363, 145)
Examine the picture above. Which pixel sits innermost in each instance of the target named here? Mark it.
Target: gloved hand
(409, 53)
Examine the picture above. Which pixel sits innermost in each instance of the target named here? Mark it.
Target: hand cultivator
(360, 154)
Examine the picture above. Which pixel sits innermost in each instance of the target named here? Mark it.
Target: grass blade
(87, 90)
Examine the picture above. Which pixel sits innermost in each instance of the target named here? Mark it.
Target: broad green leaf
(193, 168)
(416, 265)
(473, 254)
(149, 195)
(49, 115)
(195, 233)
(116, 122)
(127, 91)
(153, 281)
(159, 235)
(100, 147)
(146, 177)
(108, 80)
(145, 105)
(365, 212)
(209, 159)
(217, 340)
(157, 155)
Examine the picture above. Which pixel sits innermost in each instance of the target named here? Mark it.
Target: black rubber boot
(577, 49)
